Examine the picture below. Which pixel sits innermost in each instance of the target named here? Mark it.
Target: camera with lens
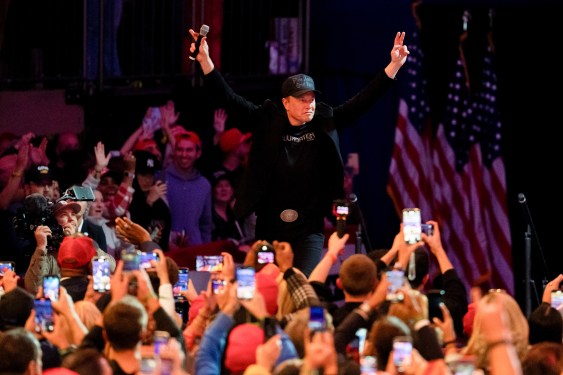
(37, 211)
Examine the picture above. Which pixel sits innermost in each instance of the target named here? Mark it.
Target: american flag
(456, 176)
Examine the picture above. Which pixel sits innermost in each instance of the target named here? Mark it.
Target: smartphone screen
(462, 366)
(316, 319)
(131, 259)
(368, 365)
(146, 258)
(101, 274)
(412, 225)
(182, 283)
(209, 263)
(160, 339)
(148, 365)
(218, 286)
(51, 287)
(556, 299)
(361, 334)
(435, 298)
(396, 280)
(402, 352)
(264, 257)
(166, 366)
(43, 315)
(4, 266)
(342, 210)
(246, 282)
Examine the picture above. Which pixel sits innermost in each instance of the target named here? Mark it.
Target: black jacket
(266, 122)
(95, 232)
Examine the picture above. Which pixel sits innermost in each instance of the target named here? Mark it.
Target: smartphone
(427, 228)
(246, 282)
(101, 274)
(182, 283)
(181, 307)
(462, 366)
(148, 365)
(218, 286)
(402, 352)
(556, 299)
(396, 281)
(166, 366)
(146, 257)
(361, 334)
(412, 225)
(265, 254)
(43, 315)
(368, 365)
(115, 153)
(131, 259)
(51, 287)
(435, 298)
(340, 209)
(209, 263)
(316, 319)
(269, 326)
(6, 265)
(160, 338)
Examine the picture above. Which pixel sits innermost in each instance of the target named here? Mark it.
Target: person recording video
(295, 167)
(49, 237)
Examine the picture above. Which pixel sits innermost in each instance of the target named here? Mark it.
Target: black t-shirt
(298, 179)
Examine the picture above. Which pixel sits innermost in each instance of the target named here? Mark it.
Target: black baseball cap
(38, 174)
(146, 162)
(297, 85)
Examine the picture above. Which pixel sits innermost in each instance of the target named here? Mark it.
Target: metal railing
(54, 44)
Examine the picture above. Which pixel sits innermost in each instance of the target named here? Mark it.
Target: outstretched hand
(399, 52)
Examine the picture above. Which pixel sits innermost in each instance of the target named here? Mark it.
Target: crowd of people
(268, 192)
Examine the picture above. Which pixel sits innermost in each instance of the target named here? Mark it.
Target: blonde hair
(517, 323)
(414, 307)
(296, 327)
(88, 313)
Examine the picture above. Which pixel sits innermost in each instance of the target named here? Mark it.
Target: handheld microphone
(340, 210)
(202, 32)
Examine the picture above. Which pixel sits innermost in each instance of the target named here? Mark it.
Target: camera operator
(44, 260)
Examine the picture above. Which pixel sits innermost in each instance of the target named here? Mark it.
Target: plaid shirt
(301, 292)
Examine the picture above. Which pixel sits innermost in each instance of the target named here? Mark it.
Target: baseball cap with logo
(74, 206)
(297, 85)
(38, 174)
(146, 163)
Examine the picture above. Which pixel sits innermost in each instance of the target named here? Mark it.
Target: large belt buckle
(289, 215)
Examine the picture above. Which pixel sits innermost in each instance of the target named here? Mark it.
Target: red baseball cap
(76, 252)
(232, 138)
